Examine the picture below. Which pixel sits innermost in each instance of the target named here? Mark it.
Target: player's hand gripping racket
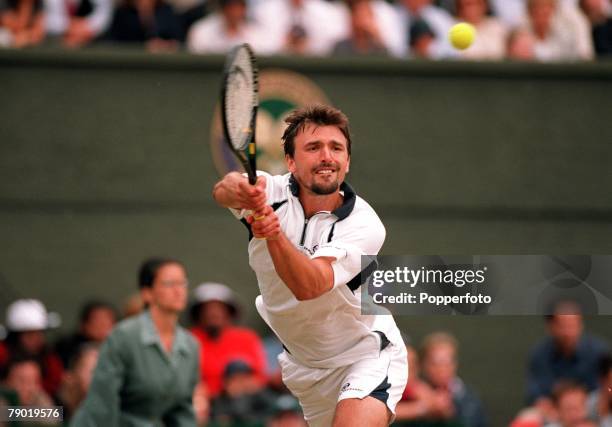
(239, 104)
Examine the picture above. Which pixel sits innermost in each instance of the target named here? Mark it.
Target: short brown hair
(319, 115)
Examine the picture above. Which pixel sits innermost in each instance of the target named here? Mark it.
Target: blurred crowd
(569, 376)
(539, 30)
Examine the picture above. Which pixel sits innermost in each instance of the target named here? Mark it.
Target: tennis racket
(239, 104)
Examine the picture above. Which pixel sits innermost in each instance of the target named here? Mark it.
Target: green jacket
(137, 383)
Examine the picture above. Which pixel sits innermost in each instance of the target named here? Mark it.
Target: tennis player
(310, 230)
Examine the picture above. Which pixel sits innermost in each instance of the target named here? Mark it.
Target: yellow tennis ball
(462, 35)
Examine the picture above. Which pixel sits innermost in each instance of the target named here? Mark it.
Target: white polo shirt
(328, 331)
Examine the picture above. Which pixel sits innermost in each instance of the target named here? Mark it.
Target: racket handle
(254, 214)
(251, 160)
(250, 212)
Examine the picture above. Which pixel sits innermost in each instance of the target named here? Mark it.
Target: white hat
(210, 291)
(30, 315)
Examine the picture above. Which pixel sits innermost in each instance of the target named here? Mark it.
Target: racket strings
(240, 87)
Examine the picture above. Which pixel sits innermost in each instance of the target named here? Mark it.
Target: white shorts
(382, 376)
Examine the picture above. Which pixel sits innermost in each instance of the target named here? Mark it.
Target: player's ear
(290, 162)
(348, 165)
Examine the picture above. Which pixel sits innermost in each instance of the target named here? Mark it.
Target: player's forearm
(225, 191)
(306, 278)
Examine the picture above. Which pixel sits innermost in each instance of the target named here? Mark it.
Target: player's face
(169, 290)
(321, 160)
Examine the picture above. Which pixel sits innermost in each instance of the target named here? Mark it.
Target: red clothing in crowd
(51, 367)
(233, 343)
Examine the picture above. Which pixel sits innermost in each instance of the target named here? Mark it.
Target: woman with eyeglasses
(148, 366)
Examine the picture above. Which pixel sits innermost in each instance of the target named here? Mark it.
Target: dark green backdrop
(104, 159)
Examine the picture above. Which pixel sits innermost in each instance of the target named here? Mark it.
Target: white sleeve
(364, 235)
(389, 26)
(99, 20)
(274, 192)
(202, 36)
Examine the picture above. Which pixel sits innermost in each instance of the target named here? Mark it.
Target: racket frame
(247, 157)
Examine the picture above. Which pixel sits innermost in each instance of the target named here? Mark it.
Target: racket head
(239, 102)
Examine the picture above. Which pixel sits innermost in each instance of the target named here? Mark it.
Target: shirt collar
(150, 336)
(348, 202)
(149, 333)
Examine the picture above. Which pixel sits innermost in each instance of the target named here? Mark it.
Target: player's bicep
(325, 267)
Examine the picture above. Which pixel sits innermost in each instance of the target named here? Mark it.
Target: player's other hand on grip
(265, 224)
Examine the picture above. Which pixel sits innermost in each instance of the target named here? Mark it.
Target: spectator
(302, 27)
(213, 316)
(201, 404)
(601, 25)
(78, 22)
(132, 306)
(244, 401)
(600, 400)
(96, 321)
(24, 20)
(491, 32)
(528, 417)
(389, 23)
(567, 353)
(287, 413)
(510, 12)
(520, 45)
(513, 12)
(148, 366)
(27, 320)
(419, 401)
(420, 15)
(273, 348)
(226, 28)
(188, 12)
(6, 40)
(456, 401)
(149, 22)
(23, 375)
(569, 16)
(570, 400)
(422, 39)
(560, 31)
(77, 378)
(365, 38)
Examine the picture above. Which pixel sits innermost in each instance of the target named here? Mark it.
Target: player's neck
(313, 203)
